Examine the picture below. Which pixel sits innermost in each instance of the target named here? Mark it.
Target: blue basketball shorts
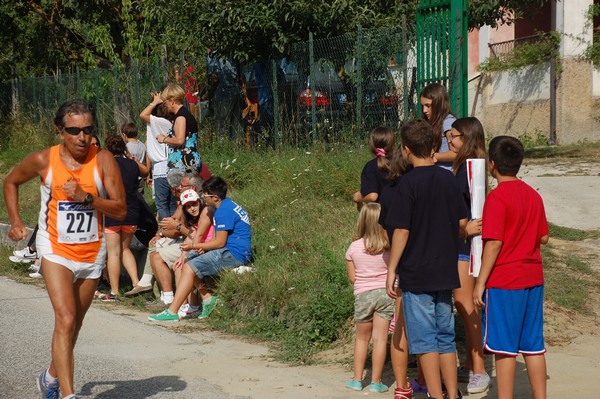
(513, 321)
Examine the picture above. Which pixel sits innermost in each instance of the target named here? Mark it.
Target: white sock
(167, 297)
(146, 280)
(48, 379)
(207, 301)
(70, 396)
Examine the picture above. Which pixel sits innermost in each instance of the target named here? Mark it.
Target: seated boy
(426, 214)
(231, 247)
(511, 281)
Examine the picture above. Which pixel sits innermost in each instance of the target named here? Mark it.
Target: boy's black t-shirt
(372, 180)
(427, 202)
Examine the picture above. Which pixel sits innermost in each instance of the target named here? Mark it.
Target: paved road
(570, 192)
(117, 357)
(122, 355)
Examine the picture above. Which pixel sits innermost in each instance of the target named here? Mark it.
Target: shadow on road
(133, 389)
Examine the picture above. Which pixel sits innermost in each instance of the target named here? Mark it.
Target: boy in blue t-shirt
(426, 214)
(230, 247)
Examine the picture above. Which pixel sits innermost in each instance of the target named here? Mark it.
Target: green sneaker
(207, 308)
(165, 315)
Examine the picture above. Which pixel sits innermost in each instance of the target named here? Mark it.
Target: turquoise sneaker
(48, 392)
(378, 387)
(207, 308)
(354, 385)
(165, 315)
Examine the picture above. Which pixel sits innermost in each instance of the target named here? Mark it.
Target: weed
(570, 234)
(573, 262)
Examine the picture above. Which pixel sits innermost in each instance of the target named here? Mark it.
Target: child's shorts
(513, 321)
(429, 321)
(130, 229)
(373, 302)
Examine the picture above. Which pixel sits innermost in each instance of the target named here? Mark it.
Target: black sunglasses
(74, 131)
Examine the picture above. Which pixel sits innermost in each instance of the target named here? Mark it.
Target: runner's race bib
(77, 223)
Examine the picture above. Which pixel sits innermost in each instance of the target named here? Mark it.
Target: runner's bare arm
(33, 165)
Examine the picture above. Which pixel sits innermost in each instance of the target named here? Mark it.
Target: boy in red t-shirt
(511, 277)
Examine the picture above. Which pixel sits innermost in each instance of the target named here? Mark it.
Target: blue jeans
(164, 199)
(212, 262)
(429, 321)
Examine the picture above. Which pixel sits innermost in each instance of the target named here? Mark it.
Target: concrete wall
(515, 102)
(578, 110)
(518, 102)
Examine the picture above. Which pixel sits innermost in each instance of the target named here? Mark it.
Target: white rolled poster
(476, 175)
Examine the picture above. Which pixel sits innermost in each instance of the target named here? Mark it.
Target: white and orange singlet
(67, 228)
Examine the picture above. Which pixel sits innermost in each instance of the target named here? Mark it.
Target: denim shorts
(376, 301)
(429, 321)
(212, 262)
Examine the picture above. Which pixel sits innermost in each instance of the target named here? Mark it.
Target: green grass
(578, 265)
(568, 280)
(570, 234)
(584, 150)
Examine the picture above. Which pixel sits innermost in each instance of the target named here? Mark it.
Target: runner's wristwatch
(89, 198)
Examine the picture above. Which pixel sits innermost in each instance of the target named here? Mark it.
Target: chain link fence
(331, 90)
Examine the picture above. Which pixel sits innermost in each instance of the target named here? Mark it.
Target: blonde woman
(183, 139)
(366, 263)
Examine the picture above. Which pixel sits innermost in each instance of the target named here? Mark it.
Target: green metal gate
(442, 49)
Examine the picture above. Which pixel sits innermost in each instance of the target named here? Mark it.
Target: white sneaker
(25, 253)
(186, 311)
(478, 383)
(19, 259)
(183, 309)
(35, 275)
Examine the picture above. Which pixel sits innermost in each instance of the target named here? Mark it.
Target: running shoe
(48, 392)
(354, 385)
(403, 393)
(25, 253)
(378, 387)
(165, 315)
(36, 275)
(187, 312)
(478, 383)
(207, 308)
(18, 259)
(107, 297)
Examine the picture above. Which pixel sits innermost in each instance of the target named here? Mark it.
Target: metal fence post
(77, 82)
(313, 105)
(35, 107)
(136, 88)
(115, 86)
(359, 80)
(275, 104)
(45, 92)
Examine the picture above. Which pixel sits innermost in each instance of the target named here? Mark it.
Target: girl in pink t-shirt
(366, 263)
